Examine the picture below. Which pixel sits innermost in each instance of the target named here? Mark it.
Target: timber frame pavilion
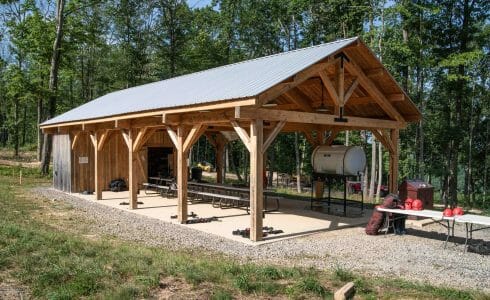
(318, 91)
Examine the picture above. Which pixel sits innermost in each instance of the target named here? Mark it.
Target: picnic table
(222, 196)
(448, 222)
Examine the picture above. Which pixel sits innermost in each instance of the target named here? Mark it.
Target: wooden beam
(351, 90)
(370, 100)
(242, 134)
(270, 138)
(181, 176)
(299, 78)
(125, 135)
(331, 138)
(372, 89)
(340, 82)
(192, 136)
(299, 98)
(132, 160)
(93, 139)
(309, 137)
(256, 179)
(140, 166)
(75, 139)
(148, 135)
(375, 72)
(316, 118)
(384, 139)
(139, 139)
(330, 88)
(393, 177)
(159, 112)
(173, 137)
(103, 139)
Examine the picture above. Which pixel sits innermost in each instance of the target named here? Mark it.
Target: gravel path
(417, 256)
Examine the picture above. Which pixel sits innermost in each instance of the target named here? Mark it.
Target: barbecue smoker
(333, 165)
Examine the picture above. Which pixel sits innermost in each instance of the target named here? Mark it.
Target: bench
(158, 188)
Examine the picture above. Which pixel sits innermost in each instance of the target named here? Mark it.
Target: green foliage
(437, 50)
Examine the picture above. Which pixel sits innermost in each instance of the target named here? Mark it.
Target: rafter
(371, 88)
(299, 78)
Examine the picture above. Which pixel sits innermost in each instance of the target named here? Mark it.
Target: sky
(198, 3)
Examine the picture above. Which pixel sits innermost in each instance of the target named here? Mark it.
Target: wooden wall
(83, 173)
(78, 163)
(62, 162)
(114, 159)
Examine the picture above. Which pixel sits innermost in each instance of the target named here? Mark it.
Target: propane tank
(339, 160)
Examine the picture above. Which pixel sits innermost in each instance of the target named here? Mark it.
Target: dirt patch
(10, 289)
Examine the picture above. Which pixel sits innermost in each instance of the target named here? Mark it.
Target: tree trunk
(53, 84)
(380, 171)
(298, 163)
(373, 170)
(40, 138)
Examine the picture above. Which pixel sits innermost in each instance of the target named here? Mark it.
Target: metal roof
(240, 80)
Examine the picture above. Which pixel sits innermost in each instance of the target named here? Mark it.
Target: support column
(393, 178)
(181, 175)
(256, 181)
(133, 178)
(220, 158)
(94, 137)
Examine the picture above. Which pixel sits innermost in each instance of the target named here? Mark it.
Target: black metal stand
(329, 179)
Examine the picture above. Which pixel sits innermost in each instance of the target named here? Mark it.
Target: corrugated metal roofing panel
(239, 80)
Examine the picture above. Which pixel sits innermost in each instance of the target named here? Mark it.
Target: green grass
(56, 261)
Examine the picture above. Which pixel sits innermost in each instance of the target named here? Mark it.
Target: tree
(53, 83)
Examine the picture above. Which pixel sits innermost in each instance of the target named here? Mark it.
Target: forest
(58, 54)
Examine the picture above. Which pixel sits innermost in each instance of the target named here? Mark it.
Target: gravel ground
(417, 256)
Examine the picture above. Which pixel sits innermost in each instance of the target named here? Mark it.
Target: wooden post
(393, 184)
(133, 178)
(97, 165)
(256, 181)
(220, 153)
(181, 175)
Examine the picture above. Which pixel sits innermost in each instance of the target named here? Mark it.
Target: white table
(469, 220)
(425, 213)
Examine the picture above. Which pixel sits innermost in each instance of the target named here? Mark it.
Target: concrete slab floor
(294, 217)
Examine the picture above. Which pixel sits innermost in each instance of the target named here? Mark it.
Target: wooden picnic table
(227, 196)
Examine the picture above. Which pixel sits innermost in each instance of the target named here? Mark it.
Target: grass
(55, 259)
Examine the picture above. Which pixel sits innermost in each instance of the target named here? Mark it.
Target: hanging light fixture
(322, 108)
